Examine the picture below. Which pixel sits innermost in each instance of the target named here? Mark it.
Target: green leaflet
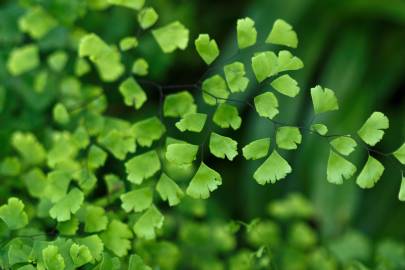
(171, 37)
(288, 137)
(10, 166)
(147, 17)
(41, 80)
(53, 260)
(148, 223)
(68, 205)
(142, 167)
(106, 58)
(140, 67)
(118, 143)
(36, 22)
(221, 146)
(286, 85)
(286, 62)
(264, 65)
(321, 129)
(215, 90)
(60, 114)
(370, 174)
(19, 251)
(95, 219)
(302, 236)
(69, 227)
(133, 93)
(35, 181)
(134, 4)
(96, 157)
(226, 116)
(86, 179)
(256, 149)
(246, 32)
(203, 182)
(193, 122)
(168, 190)
(13, 214)
(95, 245)
(344, 145)
(137, 200)
(293, 206)
(235, 77)
(400, 154)
(179, 104)
(181, 153)
(372, 130)
(206, 48)
(57, 186)
(401, 195)
(266, 105)
(23, 59)
(28, 147)
(117, 238)
(80, 254)
(324, 100)
(128, 43)
(273, 169)
(148, 130)
(136, 263)
(282, 33)
(339, 169)
(82, 67)
(57, 60)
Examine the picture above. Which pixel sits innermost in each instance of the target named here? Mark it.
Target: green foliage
(171, 37)
(181, 153)
(193, 122)
(203, 182)
(140, 67)
(227, 116)
(146, 226)
(372, 130)
(286, 85)
(324, 100)
(256, 149)
(169, 190)
(282, 34)
(288, 138)
(147, 17)
(23, 59)
(273, 169)
(264, 65)
(107, 59)
(344, 145)
(235, 77)
(179, 104)
(133, 93)
(52, 258)
(266, 105)
(246, 32)
(206, 48)
(339, 168)
(370, 174)
(222, 146)
(215, 90)
(13, 214)
(400, 154)
(142, 166)
(99, 188)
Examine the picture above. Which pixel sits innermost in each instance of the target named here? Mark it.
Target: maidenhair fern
(61, 172)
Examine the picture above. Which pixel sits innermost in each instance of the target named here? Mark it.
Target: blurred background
(355, 47)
